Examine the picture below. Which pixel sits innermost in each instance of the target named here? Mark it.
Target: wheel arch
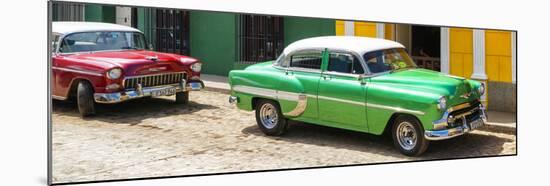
(71, 92)
(391, 121)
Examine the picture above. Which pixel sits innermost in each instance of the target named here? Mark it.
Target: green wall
(213, 40)
(297, 28)
(99, 13)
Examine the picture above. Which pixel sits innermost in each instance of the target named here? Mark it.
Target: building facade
(227, 41)
(484, 55)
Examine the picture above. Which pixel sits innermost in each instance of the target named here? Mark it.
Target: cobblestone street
(155, 137)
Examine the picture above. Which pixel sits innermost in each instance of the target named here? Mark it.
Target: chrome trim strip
(78, 71)
(290, 96)
(275, 94)
(300, 107)
(342, 100)
(397, 109)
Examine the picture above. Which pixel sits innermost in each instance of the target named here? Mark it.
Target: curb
(217, 89)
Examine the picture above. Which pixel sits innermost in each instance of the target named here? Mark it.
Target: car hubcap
(406, 135)
(268, 116)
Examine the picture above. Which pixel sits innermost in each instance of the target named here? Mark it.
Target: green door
(341, 95)
(305, 67)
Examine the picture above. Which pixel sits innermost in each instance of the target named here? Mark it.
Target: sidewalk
(502, 120)
(215, 83)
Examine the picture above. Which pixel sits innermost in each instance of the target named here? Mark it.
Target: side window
(310, 60)
(344, 63)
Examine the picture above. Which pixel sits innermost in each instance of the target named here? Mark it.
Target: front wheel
(182, 97)
(408, 136)
(85, 99)
(269, 118)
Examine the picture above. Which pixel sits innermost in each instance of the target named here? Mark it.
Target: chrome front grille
(470, 113)
(154, 80)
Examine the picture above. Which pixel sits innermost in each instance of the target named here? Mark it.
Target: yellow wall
(340, 28)
(498, 55)
(461, 52)
(365, 29)
(360, 28)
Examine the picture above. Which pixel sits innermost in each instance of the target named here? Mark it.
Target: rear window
(310, 60)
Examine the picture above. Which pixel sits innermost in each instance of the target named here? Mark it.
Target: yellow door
(498, 55)
(461, 52)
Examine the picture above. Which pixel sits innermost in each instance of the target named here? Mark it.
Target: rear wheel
(408, 136)
(182, 97)
(85, 99)
(269, 118)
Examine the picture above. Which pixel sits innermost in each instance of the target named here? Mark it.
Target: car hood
(456, 89)
(136, 62)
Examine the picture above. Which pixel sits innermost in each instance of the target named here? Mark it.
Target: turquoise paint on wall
(93, 13)
(297, 28)
(99, 13)
(213, 40)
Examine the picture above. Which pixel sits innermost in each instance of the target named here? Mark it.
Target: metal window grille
(63, 11)
(260, 38)
(171, 31)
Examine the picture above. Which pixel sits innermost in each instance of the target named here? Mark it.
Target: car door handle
(326, 77)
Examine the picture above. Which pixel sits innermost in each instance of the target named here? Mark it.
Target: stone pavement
(503, 120)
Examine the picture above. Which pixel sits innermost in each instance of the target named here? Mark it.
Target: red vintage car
(108, 63)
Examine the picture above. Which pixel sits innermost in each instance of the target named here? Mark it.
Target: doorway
(423, 44)
(425, 49)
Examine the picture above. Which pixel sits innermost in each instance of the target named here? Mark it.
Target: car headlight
(114, 73)
(442, 103)
(196, 67)
(481, 89)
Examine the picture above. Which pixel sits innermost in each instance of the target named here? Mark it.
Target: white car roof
(71, 27)
(357, 44)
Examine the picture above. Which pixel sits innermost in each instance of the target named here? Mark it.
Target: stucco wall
(213, 40)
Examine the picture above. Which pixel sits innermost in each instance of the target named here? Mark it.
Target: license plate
(164, 92)
(476, 124)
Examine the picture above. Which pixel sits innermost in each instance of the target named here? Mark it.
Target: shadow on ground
(131, 112)
(470, 145)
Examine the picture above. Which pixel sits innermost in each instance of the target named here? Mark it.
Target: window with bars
(62, 11)
(260, 38)
(171, 31)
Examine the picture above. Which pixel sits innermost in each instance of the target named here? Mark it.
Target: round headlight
(196, 67)
(114, 73)
(481, 89)
(442, 103)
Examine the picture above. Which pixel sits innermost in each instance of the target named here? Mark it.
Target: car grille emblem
(156, 69)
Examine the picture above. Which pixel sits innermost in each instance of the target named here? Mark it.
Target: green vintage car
(361, 84)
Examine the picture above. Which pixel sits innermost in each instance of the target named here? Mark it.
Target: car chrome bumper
(447, 133)
(117, 97)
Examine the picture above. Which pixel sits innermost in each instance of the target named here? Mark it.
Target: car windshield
(388, 60)
(101, 41)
